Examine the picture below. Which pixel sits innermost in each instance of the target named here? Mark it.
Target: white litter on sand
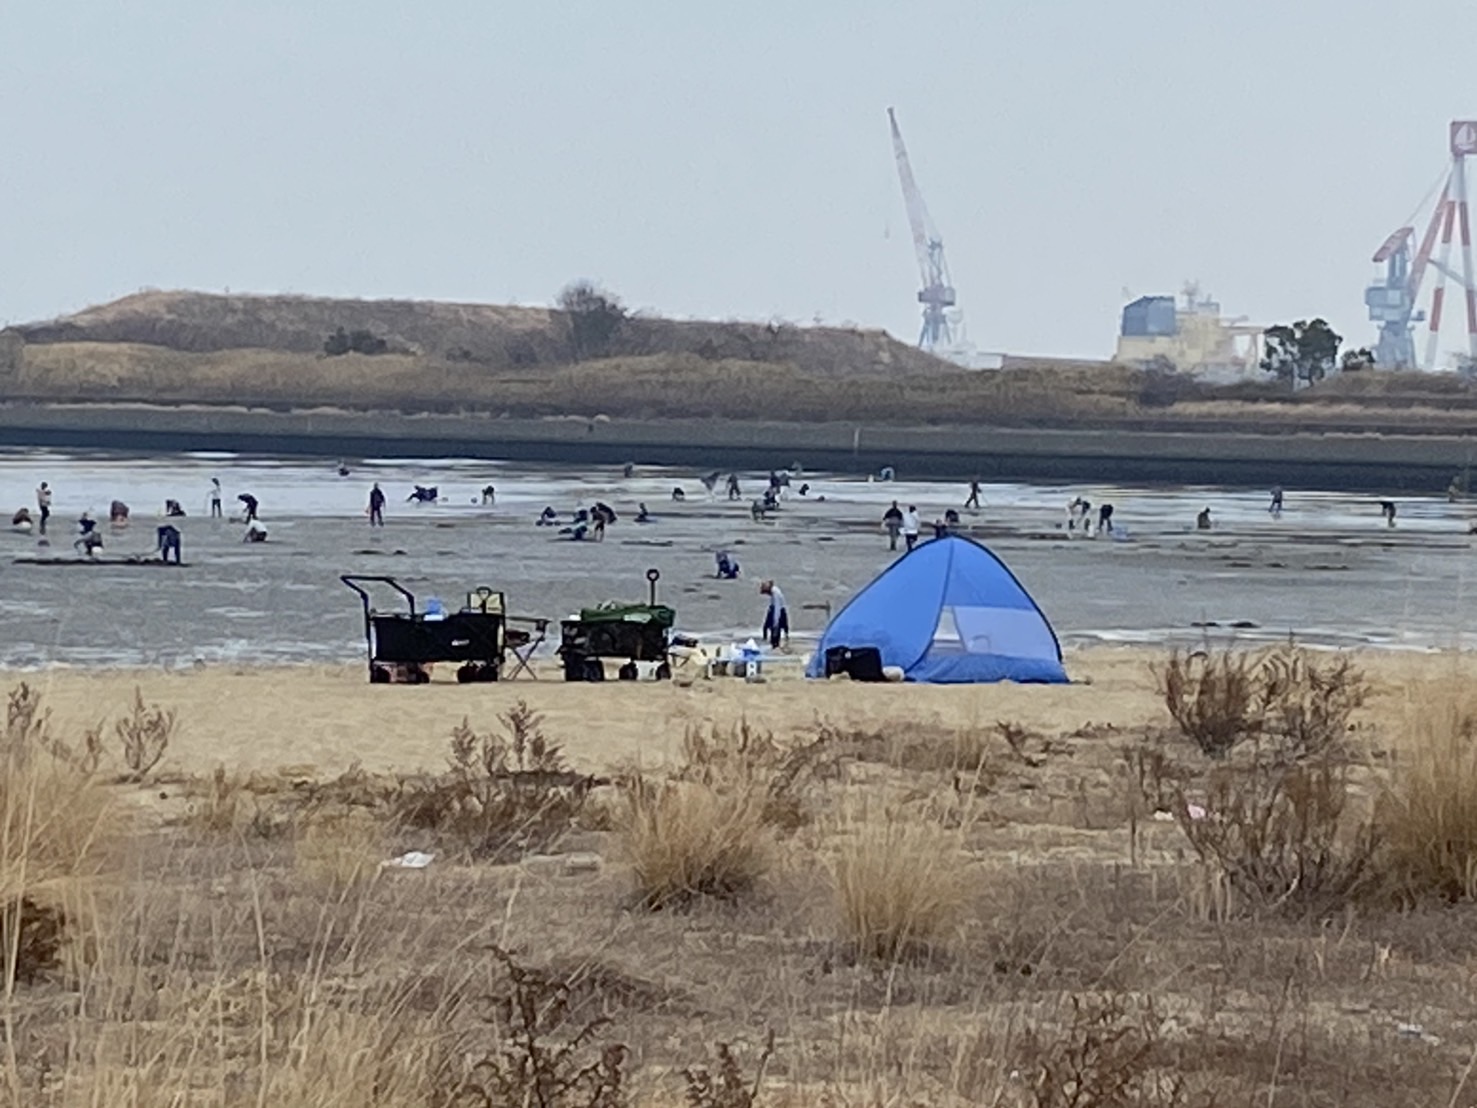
(413, 859)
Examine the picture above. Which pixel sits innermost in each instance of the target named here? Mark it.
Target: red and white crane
(1392, 301)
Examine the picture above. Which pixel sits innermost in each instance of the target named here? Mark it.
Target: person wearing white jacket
(911, 526)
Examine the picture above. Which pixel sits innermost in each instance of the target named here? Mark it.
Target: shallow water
(1328, 570)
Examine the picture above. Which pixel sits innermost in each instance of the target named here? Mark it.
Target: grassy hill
(269, 351)
(492, 336)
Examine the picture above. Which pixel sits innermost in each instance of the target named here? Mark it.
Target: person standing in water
(1275, 508)
(215, 498)
(777, 618)
(974, 495)
(733, 487)
(892, 520)
(376, 506)
(251, 505)
(43, 502)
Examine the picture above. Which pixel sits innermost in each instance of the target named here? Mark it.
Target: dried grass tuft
(902, 881)
(687, 840)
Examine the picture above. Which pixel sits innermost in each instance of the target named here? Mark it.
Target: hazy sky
(726, 160)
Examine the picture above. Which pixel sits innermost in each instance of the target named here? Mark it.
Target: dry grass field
(1181, 881)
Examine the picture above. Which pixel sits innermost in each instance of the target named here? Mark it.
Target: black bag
(860, 664)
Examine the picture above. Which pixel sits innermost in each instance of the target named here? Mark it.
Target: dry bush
(901, 883)
(687, 840)
(745, 760)
(55, 821)
(1284, 834)
(1428, 813)
(1109, 1051)
(144, 734)
(1211, 697)
(723, 1085)
(538, 1059)
(1307, 699)
(1288, 696)
(502, 795)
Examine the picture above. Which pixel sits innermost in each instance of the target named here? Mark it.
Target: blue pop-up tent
(948, 613)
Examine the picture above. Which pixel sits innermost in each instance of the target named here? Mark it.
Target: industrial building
(1191, 336)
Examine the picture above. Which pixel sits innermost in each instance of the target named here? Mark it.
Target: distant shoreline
(1337, 461)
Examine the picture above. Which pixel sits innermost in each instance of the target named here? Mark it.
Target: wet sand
(1327, 572)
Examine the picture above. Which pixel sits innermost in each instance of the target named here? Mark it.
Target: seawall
(1354, 462)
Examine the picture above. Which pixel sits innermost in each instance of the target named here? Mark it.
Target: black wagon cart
(631, 632)
(402, 644)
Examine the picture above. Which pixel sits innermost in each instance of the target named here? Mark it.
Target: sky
(727, 160)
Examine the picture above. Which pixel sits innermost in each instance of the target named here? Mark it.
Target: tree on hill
(357, 342)
(1307, 351)
(593, 317)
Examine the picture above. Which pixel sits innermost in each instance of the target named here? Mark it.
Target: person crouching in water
(728, 567)
(169, 542)
(89, 541)
(777, 619)
(255, 532)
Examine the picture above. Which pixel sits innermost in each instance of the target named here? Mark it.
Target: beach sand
(321, 719)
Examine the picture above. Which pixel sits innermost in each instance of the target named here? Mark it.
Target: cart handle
(653, 575)
(353, 579)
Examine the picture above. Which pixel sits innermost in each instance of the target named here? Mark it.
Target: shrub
(1283, 834)
(144, 734)
(538, 1060)
(746, 760)
(1109, 1051)
(501, 795)
(724, 1085)
(1306, 700)
(687, 840)
(901, 884)
(1428, 813)
(1211, 697)
(1299, 701)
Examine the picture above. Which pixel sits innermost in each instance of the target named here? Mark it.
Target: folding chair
(523, 644)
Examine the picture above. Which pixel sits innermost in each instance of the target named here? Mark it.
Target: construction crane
(1392, 300)
(937, 293)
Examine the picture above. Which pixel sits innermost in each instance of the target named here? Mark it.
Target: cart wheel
(379, 675)
(594, 669)
(628, 672)
(664, 672)
(490, 672)
(466, 673)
